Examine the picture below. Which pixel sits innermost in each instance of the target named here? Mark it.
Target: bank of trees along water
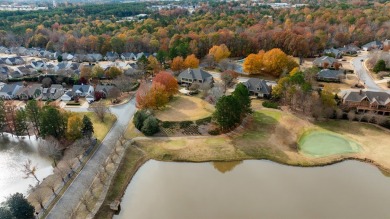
(302, 31)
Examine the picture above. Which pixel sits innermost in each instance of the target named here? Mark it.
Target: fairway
(320, 144)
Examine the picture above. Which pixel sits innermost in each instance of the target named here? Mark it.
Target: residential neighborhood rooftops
(195, 74)
(328, 74)
(258, 86)
(382, 98)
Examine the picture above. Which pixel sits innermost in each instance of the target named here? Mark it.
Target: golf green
(321, 143)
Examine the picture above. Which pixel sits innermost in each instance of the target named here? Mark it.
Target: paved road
(360, 70)
(72, 195)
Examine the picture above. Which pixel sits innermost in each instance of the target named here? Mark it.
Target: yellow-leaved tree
(177, 64)
(191, 62)
(219, 52)
(253, 64)
(74, 126)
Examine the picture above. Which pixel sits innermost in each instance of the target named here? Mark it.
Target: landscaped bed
(323, 143)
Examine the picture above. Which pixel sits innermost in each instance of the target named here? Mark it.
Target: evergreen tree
(241, 94)
(150, 126)
(21, 126)
(33, 113)
(5, 213)
(52, 122)
(20, 207)
(227, 112)
(380, 66)
(87, 128)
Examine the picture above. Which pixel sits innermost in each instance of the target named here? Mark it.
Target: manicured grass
(323, 143)
(133, 132)
(185, 108)
(101, 128)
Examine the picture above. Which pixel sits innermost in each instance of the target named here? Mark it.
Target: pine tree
(21, 126)
(227, 112)
(87, 128)
(241, 94)
(33, 112)
(3, 121)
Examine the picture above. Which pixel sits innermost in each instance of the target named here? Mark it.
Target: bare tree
(51, 183)
(39, 197)
(339, 113)
(124, 83)
(102, 176)
(85, 201)
(30, 170)
(113, 94)
(76, 151)
(52, 148)
(100, 109)
(63, 172)
(380, 119)
(351, 115)
(70, 164)
(72, 213)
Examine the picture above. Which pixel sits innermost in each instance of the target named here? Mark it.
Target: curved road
(361, 70)
(79, 186)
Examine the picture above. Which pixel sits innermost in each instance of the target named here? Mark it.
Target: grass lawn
(323, 143)
(101, 128)
(185, 108)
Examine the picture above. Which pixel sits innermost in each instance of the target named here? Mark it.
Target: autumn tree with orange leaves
(170, 83)
(273, 62)
(191, 62)
(177, 64)
(219, 52)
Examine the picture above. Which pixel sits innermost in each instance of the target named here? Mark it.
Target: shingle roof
(257, 85)
(382, 98)
(329, 74)
(319, 61)
(197, 74)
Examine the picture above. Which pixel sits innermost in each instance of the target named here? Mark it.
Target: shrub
(139, 118)
(269, 104)
(185, 124)
(203, 121)
(214, 132)
(167, 124)
(150, 126)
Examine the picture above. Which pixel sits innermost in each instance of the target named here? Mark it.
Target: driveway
(360, 70)
(79, 186)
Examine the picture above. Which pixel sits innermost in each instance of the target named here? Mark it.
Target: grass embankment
(100, 128)
(185, 108)
(132, 160)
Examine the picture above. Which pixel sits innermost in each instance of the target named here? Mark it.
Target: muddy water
(13, 153)
(256, 189)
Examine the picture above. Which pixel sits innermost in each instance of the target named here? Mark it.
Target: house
(17, 60)
(4, 50)
(258, 87)
(111, 56)
(94, 57)
(325, 62)
(63, 66)
(90, 98)
(38, 65)
(15, 74)
(82, 90)
(67, 96)
(139, 55)
(386, 45)
(190, 76)
(372, 45)
(128, 56)
(29, 92)
(80, 58)
(8, 92)
(329, 75)
(349, 49)
(336, 53)
(104, 89)
(377, 101)
(67, 57)
(54, 92)
(20, 51)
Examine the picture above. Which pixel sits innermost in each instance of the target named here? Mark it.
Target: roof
(375, 43)
(257, 85)
(81, 88)
(10, 88)
(334, 51)
(382, 98)
(331, 74)
(103, 88)
(324, 59)
(195, 74)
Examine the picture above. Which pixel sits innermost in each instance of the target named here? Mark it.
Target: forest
(302, 31)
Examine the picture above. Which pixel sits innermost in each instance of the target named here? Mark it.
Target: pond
(256, 189)
(323, 143)
(13, 153)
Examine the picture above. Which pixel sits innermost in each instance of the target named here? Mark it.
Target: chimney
(360, 91)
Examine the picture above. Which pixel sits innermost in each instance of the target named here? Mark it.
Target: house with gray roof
(67, 57)
(325, 62)
(336, 53)
(372, 45)
(111, 56)
(128, 56)
(29, 92)
(198, 75)
(329, 75)
(258, 87)
(349, 49)
(4, 50)
(94, 57)
(367, 100)
(54, 92)
(67, 96)
(82, 90)
(17, 60)
(104, 89)
(8, 92)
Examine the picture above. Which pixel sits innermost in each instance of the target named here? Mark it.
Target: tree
(113, 94)
(191, 62)
(241, 94)
(5, 213)
(177, 64)
(97, 71)
(169, 82)
(52, 122)
(21, 126)
(3, 121)
(153, 65)
(227, 112)
(254, 63)
(52, 148)
(39, 197)
(139, 118)
(380, 66)
(219, 52)
(33, 111)
(86, 72)
(87, 127)
(30, 170)
(20, 207)
(327, 97)
(74, 127)
(124, 83)
(228, 77)
(113, 72)
(59, 58)
(150, 126)
(46, 82)
(153, 97)
(100, 110)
